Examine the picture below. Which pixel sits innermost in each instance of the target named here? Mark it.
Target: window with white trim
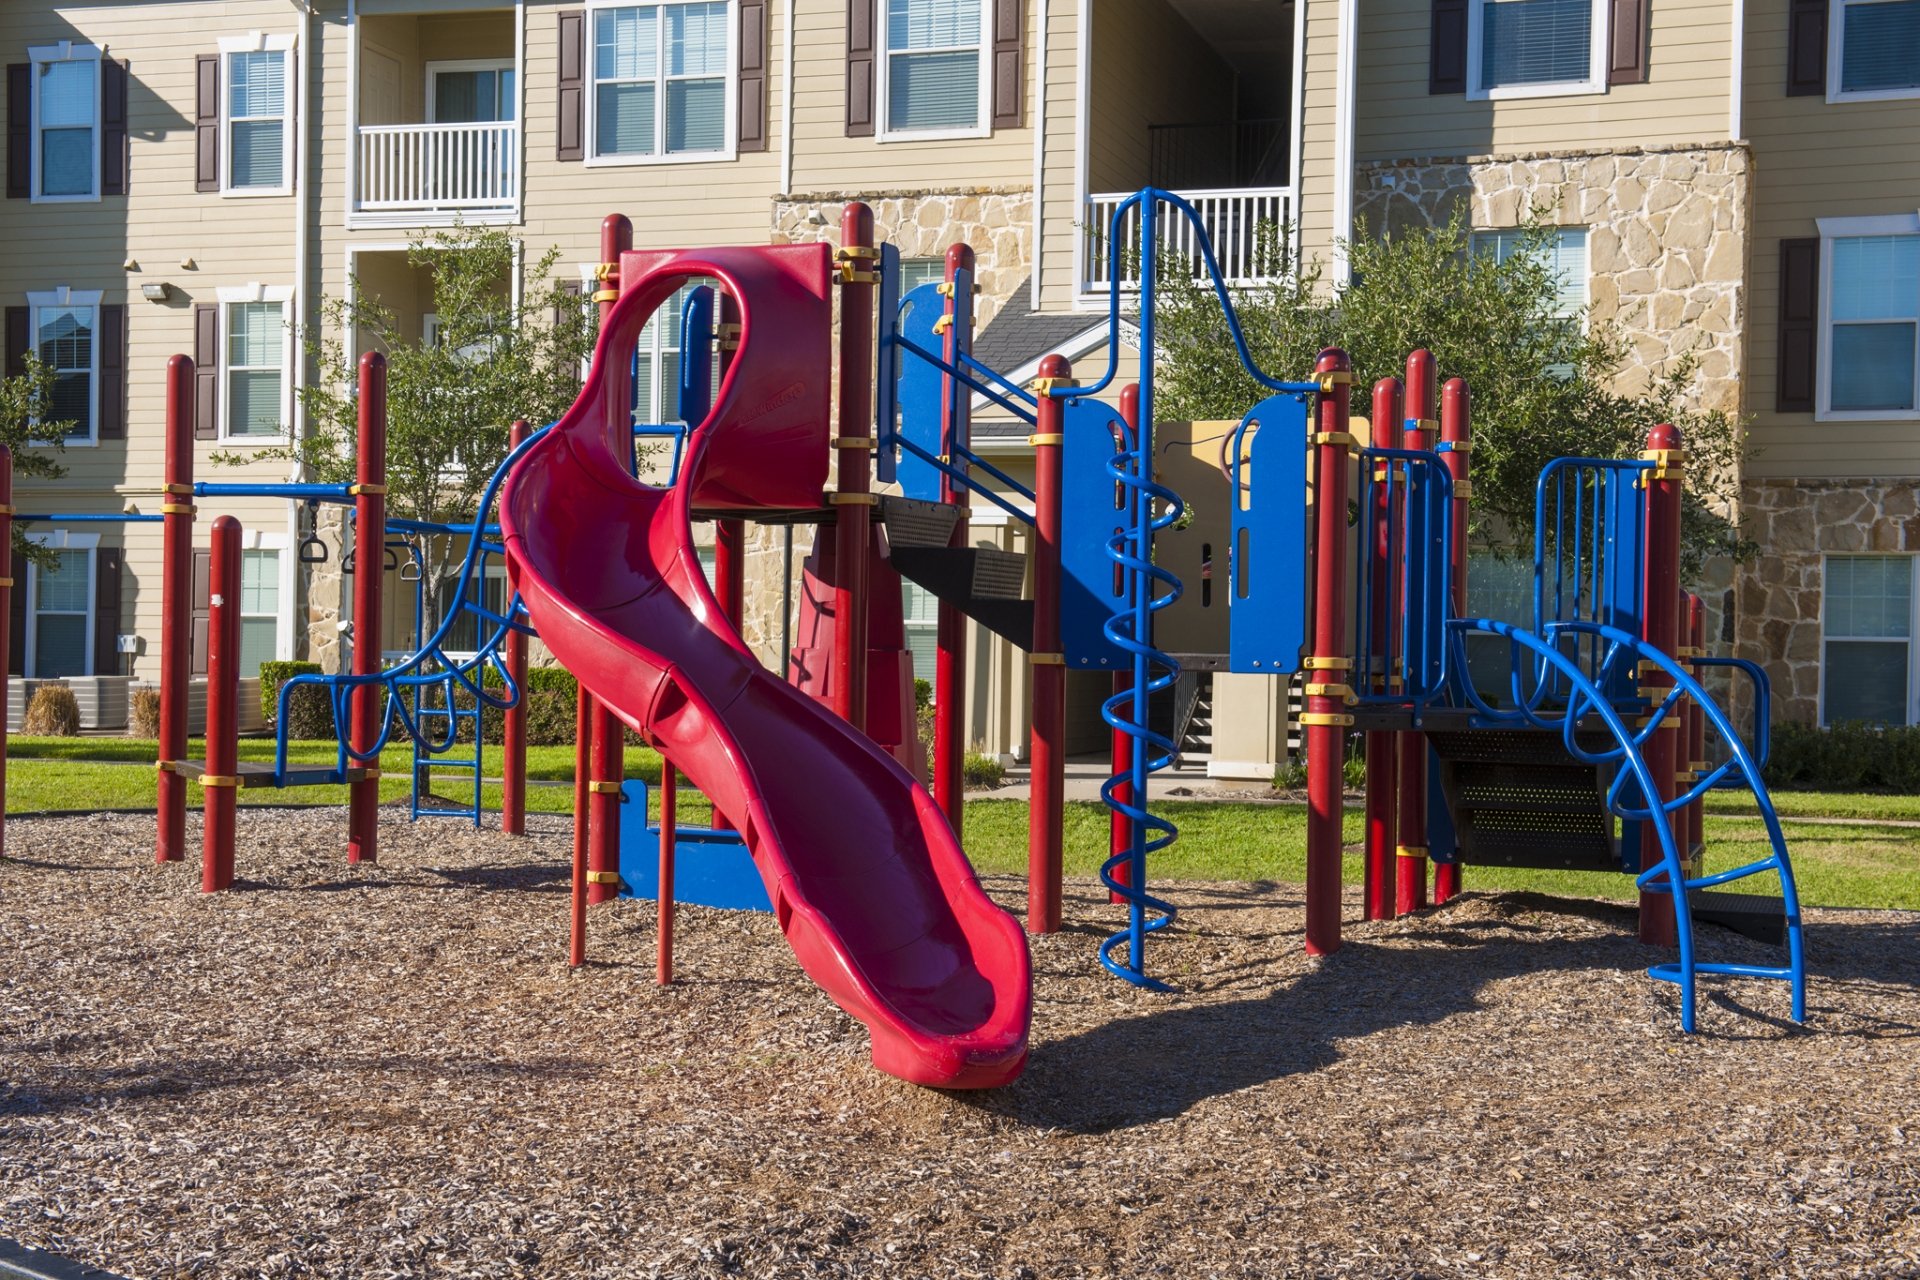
(65, 122)
(256, 370)
(1566, 253)
(259, 610)
(63, 615)
(922, 620)
(662, 82)
(1877, 52)
(1872, 321)
(1535, 48)
(64, 337)
(258, 149)
(934, 78)
(915, 272)
(1867, 640)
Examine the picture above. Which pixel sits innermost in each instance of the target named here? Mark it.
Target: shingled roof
(1018, 334)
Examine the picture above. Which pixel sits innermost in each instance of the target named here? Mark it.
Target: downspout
(1347, 67)
(1040, 153)
(786, 103)
(1082, 89)
(1736, 73)
(303, 121)
(1295, 126)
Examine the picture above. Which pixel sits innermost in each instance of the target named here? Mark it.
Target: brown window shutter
(1009, 63)
(206, 122)
(860, 55)
(113, 371)
(17, 618)
(295, 152)
(19, 129)
(571, 143)
(752, 134)
(1627, 42)
(1807, 48)
(113, 127)
(106, 612)
(1447, 48)
(201, 612)
(1799, 326)
(206, 377)
(19, 341)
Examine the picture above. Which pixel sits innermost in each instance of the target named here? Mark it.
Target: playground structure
(1594, 756)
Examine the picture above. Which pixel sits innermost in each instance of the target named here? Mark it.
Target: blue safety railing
(1406, 507)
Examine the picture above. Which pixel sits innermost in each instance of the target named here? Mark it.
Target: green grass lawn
(1841, 866)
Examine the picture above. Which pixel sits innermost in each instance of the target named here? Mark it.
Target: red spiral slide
(868, 882)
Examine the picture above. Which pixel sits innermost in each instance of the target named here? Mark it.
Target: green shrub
(922, 693)
(982, 770)
(1851, 756)
(309, 707)
(1292, 776)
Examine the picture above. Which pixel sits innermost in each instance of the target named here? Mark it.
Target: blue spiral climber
(1131, 628)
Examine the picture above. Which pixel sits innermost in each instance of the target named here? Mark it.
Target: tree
(24, 399)
(450, 403)
(1539, 377)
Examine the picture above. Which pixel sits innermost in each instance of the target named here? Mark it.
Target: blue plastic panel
(1089, 514)
(695, 398)
(886, 404)
(919, 392)
(710, 868)
(1443, 842)
(1266, 557)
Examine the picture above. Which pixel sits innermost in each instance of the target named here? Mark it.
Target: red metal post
(513, 744)
(1696, 762)
(1045, 829)
(6, 610)
(220, 782)
(854, 446)
(1120, 826)
(1383, 762)
(1456, 429)
(950, 667)
(603, 842)
(369, 702)
(582, 783)
(1326, 718)
(669, 787)
(1410, 864)
(1661, 610)
(176, 608)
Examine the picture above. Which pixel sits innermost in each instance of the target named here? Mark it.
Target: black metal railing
(1238, 153)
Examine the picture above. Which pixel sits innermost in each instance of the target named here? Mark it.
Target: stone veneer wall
(997, 222)
(1796, 523)
(1666, 246)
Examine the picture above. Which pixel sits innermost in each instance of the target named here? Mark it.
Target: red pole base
(1383, 781)
(1446, 882)
(1326, 794)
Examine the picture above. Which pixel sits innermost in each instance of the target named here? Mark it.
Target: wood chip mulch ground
(388, 1071)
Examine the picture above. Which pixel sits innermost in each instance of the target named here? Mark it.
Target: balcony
(1244, 225)
(466, 169)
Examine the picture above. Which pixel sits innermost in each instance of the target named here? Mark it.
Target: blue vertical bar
(695, 400)
(1142, 549)
(886, 404)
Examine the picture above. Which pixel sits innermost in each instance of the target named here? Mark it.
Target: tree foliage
(23, 399)
(1539, 377)
(450, 404)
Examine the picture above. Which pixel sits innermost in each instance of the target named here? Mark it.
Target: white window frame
(884, 94)
(1836, 60)
(1475, 246)
(257, 540)
(257, 42)
(65, 51)
(1596, 81)
(60, 540)
(1831, 229)
(730, 151)
(65, 297)
(228, 295)
(1912, 637)
(473, 64)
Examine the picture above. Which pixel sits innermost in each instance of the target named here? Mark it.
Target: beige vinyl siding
(1683, 100)
(1061, 216)
(1149, 67)
(1815, 159)
(1319, 111)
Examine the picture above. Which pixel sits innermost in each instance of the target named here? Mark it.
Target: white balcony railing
(439, 166)
(1244, 225)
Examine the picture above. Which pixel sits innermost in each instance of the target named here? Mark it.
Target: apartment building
(1731, 180)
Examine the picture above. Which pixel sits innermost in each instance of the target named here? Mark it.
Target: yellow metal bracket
(1313, 718)
(1047, 659)
(1045, 438)
(1326, 664)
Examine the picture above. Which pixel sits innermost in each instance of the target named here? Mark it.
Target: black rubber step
(982, 582)
(1757, 916)
(1518, 798)
(913, 523)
